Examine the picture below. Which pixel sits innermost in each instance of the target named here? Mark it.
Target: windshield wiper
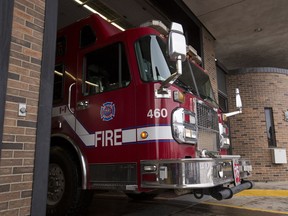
(207, 97)
(185, 87)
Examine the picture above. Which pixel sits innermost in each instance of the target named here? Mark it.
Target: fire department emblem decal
(107, 111)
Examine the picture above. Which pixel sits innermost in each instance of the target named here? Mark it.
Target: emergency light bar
(193, 55)
(157, 25)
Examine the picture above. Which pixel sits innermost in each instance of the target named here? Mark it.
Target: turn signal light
(144, 135)
(178, 96)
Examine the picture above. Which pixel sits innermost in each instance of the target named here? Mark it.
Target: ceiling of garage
(248, 33)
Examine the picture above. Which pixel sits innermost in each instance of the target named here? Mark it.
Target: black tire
(65, 196)
(142, 196)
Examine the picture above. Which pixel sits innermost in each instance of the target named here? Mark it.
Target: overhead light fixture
(117, 26)
(101, 15)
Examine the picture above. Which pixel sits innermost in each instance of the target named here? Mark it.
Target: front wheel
(65, 196)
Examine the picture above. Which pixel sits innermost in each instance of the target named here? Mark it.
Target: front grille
(112, 176)
(208, 128)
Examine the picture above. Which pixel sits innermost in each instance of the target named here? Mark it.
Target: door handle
(83, 104)
(69, 98)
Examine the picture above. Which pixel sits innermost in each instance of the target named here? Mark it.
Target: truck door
(104, 101)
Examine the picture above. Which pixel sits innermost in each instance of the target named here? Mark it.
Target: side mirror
(176, 43)
(238, 100)
(177, 52)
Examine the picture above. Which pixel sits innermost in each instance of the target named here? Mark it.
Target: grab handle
(69, 98)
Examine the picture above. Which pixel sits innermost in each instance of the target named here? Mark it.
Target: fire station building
(27, 40)
(260, 133)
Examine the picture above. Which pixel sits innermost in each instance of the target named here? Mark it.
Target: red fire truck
(133, 113)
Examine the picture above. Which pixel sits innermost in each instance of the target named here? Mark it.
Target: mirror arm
(170, 80)
(238, 105)
(227, 115)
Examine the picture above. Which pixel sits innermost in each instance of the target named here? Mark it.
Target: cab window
(87, 36)
(58, 83)
(105, 69)
(60, 46)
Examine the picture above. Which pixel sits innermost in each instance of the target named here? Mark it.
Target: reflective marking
(155, 133)
(128, 136)
(80, 130)
(245, 208)
(161, 133)
(70, 120)
(89, 140)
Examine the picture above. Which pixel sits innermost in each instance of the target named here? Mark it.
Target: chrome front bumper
(194, 173)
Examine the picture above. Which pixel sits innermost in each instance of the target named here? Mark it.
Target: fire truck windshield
(152, 60)
(197, 81)
(155, 65)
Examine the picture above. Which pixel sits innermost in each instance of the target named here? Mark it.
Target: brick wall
(17, 157)
(209, 59)
(259, 88)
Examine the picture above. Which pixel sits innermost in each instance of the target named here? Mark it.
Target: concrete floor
(254, 204)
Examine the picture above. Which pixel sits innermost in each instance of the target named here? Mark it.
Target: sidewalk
(271, 185)
(265, 196)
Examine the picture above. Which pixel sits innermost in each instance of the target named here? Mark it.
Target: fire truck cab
(133, 113)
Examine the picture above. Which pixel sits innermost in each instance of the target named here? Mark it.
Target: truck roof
(104, 28)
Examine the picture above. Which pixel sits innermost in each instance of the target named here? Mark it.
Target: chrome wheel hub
(56, 184)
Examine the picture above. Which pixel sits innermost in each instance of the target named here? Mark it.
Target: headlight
(184, 126)
(224, 136)
(189, 133)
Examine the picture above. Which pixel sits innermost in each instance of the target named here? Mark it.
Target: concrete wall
(259, 88)
(19, 133)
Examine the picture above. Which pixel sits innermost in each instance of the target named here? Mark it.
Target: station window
(106, 69)
(222, 90)
(223, 101)
(58, 83)
(270, 129)
(87, 36)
